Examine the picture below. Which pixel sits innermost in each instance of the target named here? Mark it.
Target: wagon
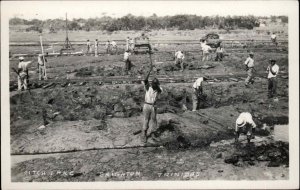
(141, 45)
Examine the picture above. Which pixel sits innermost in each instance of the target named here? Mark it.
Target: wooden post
(45, 77)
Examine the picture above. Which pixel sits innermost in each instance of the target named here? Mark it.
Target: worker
(249, 63)
(114, 47)
(131, 44)
(150, 109)
(127, 61)
(42, 67)
(23, 75)
(206, 50)
(96, 47)
(127, 43)
(179, 57)
(107, 47)
(202, 44)
(274, 38)
(245, 124)
(272, 70)
(197, 92)
(220, 53)
(88, 44)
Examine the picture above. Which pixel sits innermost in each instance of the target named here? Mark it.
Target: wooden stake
(45, 77)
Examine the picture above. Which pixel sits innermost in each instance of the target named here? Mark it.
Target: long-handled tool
(45, 77)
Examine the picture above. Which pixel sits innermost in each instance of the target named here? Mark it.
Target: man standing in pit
(197, 92)
(249, 63)
(127, 61)
(127, 43)
(220, 53)
(202, 44)
(131, 44)
(206, 51)
(107, 47)
(88, 44)
(114, 47)
(274, 38)
(179, 57)
(272, 70)
(245, 124)
(150, 108)
(41, 67)
(96, 47)
(23, 75)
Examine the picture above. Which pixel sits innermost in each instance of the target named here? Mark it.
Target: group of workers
(244, 123)
(110, 47)
(205, 51)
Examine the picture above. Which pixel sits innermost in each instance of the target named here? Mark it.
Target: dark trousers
(219, 56)
(127, 65)
(179, 62)
(272, 85)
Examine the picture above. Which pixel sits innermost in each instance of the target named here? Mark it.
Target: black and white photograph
(175, 93)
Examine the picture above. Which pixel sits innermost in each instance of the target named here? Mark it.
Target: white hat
(240, 122)
(21, 58)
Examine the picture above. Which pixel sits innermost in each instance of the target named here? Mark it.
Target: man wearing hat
(272, 70)
(220, 53)
(23, 74)
(127, 61)
(206, 51)
(249, 63)
(96, 47)
(153, 90)
(114, 47)
(41, 67)
(245, 124)
(274, 38)
(107, 47)
(179, 57)
(197, 92)
(88, 45)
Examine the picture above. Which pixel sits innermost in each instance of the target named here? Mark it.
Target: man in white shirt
(150, 109)
(274, 38)
(23, 74)
(272, 70)
(88, 45)
(245, 124)
(114, 47)
(96, 47)
(41, 67)
(131, 44)
(197, 92)
(249, 64)
(179, 57)
(206, 51)
(220, 53)
(127, 43)
(107, 47)
(202, 44)
(127, 61)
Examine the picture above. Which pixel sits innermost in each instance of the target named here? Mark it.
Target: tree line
(131, 22)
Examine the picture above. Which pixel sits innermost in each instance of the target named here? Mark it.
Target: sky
(91, 9)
